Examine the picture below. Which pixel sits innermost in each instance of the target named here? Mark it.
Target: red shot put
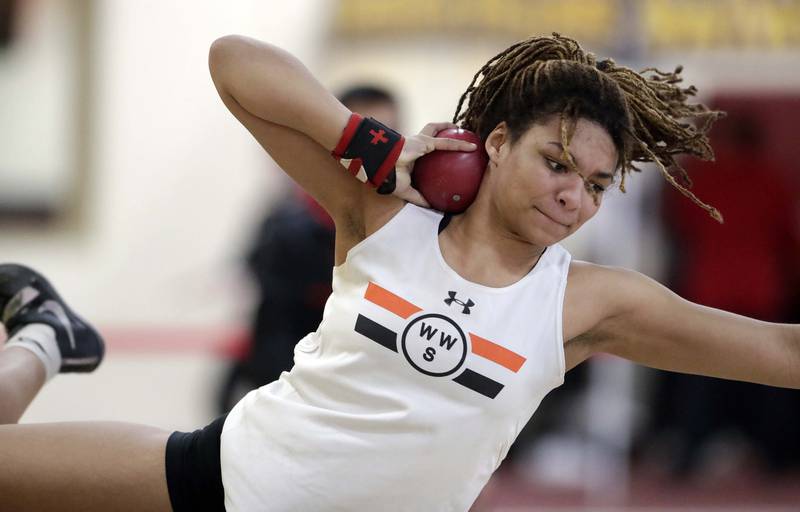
(449, 180)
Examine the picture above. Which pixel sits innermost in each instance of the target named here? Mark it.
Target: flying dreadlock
(647, 114)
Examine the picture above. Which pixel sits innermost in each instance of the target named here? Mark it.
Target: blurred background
(124, 179)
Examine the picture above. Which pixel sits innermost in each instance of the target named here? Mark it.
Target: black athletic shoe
(27, 298)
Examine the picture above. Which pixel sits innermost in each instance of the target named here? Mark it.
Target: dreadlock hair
(645, 113)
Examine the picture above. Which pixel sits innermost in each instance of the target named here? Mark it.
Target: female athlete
(443, 333)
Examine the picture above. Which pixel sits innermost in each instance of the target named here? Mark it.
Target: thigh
(87, 466)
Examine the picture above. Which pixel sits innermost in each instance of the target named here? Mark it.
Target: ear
(497, 141)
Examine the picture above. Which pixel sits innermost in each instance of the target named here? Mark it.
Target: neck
(476, 247)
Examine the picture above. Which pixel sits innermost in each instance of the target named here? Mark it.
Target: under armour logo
(453, 299)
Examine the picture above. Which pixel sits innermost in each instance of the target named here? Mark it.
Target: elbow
(220, 54)
(227, 55)
(232, 57)
(223, 46)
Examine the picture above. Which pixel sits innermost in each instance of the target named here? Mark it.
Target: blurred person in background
(356, 424)
(291, 261)
(762, 281)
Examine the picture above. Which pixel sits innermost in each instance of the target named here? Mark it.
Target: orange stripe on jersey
(495, 353)
(389, 301)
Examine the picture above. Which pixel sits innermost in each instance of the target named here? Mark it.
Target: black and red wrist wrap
(373, 145)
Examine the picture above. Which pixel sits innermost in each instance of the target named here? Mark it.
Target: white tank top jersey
(410, 392)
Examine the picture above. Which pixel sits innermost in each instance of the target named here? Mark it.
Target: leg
(46, 338)
(83, 466)
(65, 466)
(21, 378)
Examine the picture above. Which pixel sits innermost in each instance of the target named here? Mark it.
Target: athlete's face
(533, 190)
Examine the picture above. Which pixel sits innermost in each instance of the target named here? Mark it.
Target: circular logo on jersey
(434, 345)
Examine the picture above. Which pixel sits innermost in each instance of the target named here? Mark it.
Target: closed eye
(595, 188)
(556, 167)
(559, 168)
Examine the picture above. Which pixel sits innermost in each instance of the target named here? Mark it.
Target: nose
(570, 192)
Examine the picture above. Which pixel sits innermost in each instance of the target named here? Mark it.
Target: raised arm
(289, 113)
(298, 122)
(643, 321)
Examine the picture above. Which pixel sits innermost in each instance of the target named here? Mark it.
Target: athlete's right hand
(421, 144)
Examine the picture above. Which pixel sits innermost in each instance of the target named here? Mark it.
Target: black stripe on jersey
(477, 382)
(376, 332)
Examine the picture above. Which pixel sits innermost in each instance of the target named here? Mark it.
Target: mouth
(551, 219)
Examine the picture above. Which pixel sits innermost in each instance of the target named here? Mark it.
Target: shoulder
(596, 293)
(583, 273)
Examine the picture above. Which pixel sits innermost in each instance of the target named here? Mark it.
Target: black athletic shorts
(194, 476)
